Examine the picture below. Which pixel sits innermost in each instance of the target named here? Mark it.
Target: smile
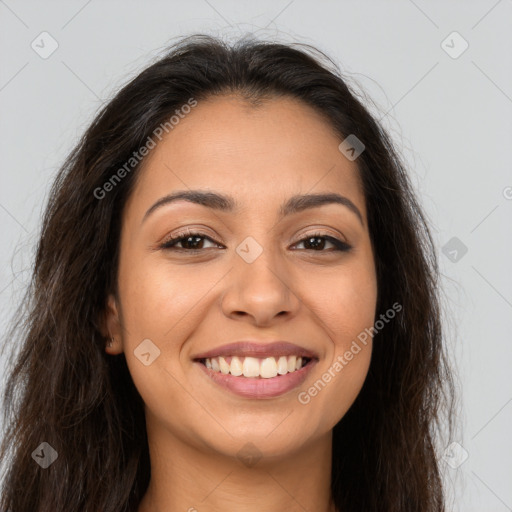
(251, 381)
(265, 368)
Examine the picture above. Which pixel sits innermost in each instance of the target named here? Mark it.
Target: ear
(111, 326)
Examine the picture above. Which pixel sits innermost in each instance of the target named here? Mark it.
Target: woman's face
(258, 274)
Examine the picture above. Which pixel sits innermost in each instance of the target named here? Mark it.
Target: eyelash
(172, 241)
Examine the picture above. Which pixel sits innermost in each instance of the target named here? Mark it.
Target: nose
(260, 291)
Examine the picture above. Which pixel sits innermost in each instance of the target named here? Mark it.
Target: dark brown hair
(65, 390)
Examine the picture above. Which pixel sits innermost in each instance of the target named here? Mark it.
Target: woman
(234, 303)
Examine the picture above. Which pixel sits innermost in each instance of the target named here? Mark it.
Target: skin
(187, 304)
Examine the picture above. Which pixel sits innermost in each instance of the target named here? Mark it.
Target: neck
(187, 478)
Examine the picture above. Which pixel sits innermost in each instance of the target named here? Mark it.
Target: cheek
(163, 308)
(347, 308)
(156, 306)
(348, 304)
(341, 383)
(158, 300)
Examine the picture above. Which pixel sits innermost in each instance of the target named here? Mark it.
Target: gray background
(450, 118)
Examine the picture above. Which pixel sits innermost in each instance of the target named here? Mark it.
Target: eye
(190, 238)
(312, 240)
(193, 240)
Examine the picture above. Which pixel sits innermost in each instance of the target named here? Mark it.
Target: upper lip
(258, 349)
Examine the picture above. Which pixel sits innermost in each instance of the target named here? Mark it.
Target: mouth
(257, 378)
(254, 367)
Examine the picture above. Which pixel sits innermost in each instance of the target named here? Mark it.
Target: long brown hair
(63, 389)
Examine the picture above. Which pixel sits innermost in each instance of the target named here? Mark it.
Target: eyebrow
(221, 202)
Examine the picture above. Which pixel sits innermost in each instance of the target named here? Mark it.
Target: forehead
(280, 148)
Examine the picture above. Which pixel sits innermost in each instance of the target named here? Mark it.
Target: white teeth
(265, 368)
(235, 367)
(251, 367)
(282, 365)
(268, 368)
(224, 367)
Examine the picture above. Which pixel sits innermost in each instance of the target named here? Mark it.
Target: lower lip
(250, 387)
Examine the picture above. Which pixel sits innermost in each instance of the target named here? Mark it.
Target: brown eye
(316, 242)
(194, 242)
(190, 241)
